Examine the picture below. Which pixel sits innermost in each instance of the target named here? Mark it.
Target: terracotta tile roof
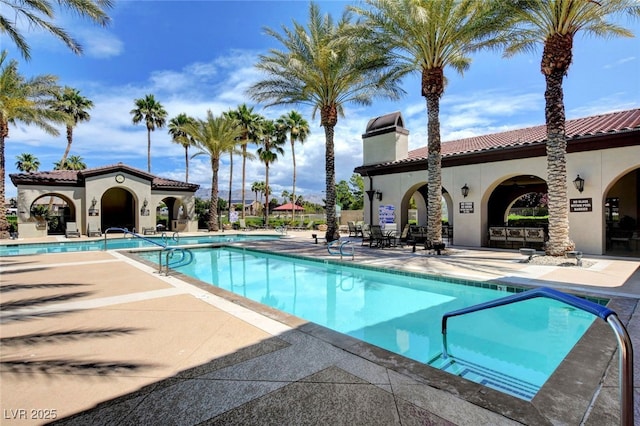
(614, 122)
(77, 177)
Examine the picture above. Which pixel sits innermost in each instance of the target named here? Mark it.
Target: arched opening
(413, 209)
(118, 209)
(51, 212)
(621, 216)
(517, 214)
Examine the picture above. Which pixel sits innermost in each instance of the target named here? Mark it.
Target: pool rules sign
(577, 205)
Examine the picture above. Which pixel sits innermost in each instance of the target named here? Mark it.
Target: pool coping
(566, 397)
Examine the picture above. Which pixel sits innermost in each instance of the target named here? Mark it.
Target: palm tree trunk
(559, 241)
(266, 197)
(434, 161)
(293, 190)
(213, 208)
(432, 89)
(148, 150)
(68, 148)
(330, 188)
(4, 225)
(230, 184)
(186, 164)
(244, 165)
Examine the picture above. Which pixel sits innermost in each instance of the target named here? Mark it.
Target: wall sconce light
(145, 203)
(93, 203)
(379, 195)
(579, 183)
(465, 190)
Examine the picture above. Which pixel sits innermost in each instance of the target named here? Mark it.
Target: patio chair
(92, 231)
(366, 233)
(71, 230)
(242, 225)
(353, 231)
(377, 239)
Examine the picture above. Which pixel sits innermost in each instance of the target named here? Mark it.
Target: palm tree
(428, 36)
(298, 129)
(27, 163)
(554, 24)
(153, 114)
(38, 12)
(26, 101)
(258, 188)
(318, 67)
(70, 102)
(250, 123)
(178, 135)
(214, 136)
(74, 162)
(273, 137)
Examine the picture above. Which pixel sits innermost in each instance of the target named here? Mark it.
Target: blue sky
(200, 55)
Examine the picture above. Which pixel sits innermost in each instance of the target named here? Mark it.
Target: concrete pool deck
(97, 338)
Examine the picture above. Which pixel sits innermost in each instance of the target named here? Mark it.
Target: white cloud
(100, 44)
(620, 62)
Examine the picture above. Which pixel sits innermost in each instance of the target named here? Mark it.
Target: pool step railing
(168, 251)
(625, 348)
(337, 247)
(485, 376)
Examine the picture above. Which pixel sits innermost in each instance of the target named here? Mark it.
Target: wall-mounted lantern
(465, 190)
(579, 183)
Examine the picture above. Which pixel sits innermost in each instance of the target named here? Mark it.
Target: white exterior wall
(97, 186)
(601, 169)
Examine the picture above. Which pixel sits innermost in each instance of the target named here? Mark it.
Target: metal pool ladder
(625, 348)
(187, 255)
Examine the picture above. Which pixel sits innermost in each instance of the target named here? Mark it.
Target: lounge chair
(149, 231)
(242, 225)
(93, 231)
(71, 230)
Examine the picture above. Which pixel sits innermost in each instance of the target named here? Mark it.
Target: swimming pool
(513, 348)
(121, 243)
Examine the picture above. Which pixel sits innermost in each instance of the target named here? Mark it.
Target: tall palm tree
(298, 129)
(250, 123)
(258, 188)
(74, 162)
(24, 101)
(554, 24)
(75, 106)
(153, 114)
(213, 137)
(41, 13)
(427, 37)
(26, 162)
(178, 135)
(273, 137)
(318, 67)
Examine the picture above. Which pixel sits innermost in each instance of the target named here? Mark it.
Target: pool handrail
(169, 250)
(133, 234)
(332, 245)
(625, 347)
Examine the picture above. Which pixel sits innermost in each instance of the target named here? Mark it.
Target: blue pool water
(119, 243)
(513, 348)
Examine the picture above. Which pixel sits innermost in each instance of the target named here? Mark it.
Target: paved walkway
(97, 338)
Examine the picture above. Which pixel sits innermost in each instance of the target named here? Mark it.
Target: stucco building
(483, 176)
(103, 197)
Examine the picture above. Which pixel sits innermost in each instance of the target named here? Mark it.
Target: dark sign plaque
(580, 205)
(466, 207)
